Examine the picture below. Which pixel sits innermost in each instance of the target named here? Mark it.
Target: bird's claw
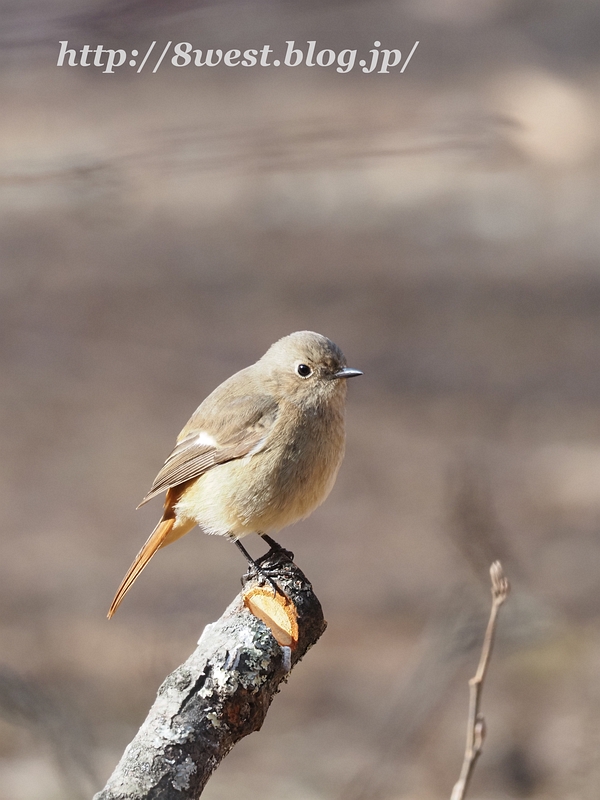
(261, 574)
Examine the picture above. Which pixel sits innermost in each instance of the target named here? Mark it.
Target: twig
(223, 691)
(476, 722)
(451, 638)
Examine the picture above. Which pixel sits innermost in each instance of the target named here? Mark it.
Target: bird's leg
(275, 546)
(260, 570)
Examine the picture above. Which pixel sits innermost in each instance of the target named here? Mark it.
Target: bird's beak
(347, 372)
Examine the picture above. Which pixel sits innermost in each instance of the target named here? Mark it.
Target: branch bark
(476, 722)
(224, 689)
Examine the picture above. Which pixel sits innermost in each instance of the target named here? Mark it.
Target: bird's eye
(303, 370)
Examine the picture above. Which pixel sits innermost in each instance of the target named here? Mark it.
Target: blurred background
(158, 232)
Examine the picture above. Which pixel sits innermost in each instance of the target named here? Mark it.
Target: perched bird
(262, 451)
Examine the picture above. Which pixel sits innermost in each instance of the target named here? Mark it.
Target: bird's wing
(240, 426)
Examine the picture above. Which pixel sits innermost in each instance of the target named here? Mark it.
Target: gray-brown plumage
(262, 451)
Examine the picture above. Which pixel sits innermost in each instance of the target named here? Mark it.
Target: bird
(261, 452)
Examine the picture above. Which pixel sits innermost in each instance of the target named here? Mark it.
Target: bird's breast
(284, 482)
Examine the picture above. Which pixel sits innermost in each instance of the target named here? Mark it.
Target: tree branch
(476, 722)
(224, 689)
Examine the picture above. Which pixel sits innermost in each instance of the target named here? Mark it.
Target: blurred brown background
(158, 232)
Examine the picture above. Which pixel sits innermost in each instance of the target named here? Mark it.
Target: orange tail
(154, 542)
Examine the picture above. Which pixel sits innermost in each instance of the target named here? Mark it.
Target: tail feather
(157, 539)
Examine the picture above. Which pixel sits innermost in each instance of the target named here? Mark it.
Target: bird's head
(308, 367)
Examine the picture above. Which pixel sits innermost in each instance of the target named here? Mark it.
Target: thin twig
(476, 722)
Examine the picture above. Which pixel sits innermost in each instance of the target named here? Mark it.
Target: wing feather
(248, 420)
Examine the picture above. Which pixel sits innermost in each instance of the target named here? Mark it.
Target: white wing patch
(206, 439)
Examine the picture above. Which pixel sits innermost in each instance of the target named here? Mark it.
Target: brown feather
(248, 427)
(153, 543)
(161, 536)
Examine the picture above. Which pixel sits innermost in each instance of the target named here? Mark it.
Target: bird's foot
(275, 547)
(261, 571)
(262, 575)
